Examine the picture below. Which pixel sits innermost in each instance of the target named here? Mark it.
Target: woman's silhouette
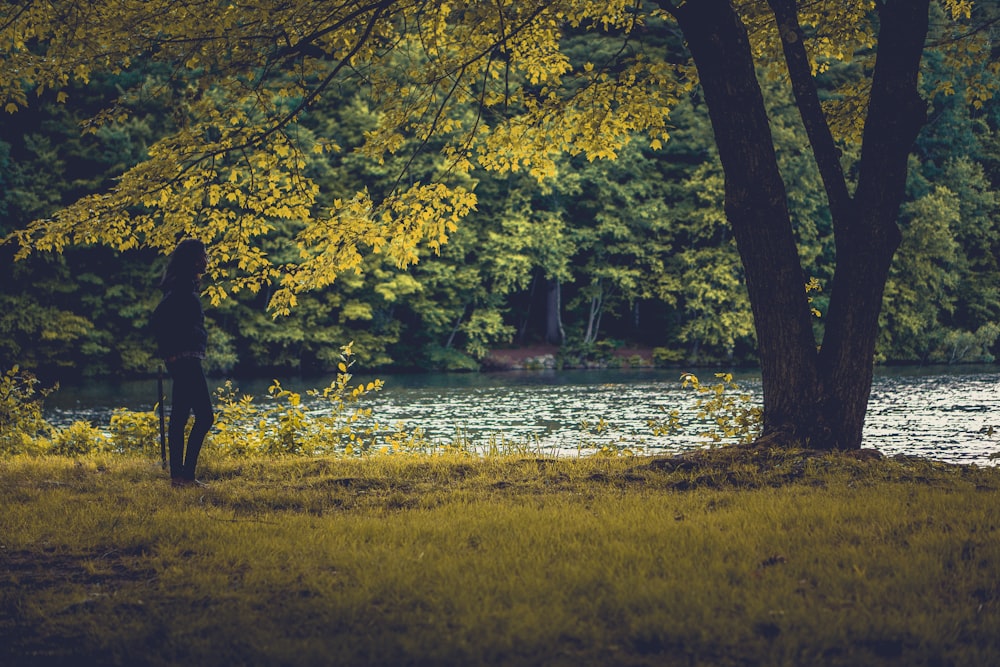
(182, 339)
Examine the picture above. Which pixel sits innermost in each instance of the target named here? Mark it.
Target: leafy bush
(596, 437)
(665, 356)
(450, 359)
(732, 416)
(22, 427)
(78, 439)
(599, 353)
(134, 432)
(287, 427)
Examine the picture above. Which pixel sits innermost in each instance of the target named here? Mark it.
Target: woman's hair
(186, 262)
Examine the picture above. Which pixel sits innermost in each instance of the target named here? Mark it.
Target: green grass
(730, 557)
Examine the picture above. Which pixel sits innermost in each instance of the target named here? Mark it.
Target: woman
(179, 324)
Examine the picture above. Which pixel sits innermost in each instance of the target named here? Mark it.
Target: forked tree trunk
(811, 397)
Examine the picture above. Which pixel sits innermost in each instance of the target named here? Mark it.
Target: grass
(725, 557)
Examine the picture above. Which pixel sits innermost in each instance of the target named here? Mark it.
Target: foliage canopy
(485, 84)
(453, 87)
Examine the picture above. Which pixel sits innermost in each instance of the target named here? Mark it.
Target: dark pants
(190, 394)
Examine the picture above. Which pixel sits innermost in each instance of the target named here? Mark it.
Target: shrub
(732, 415)
(286, 427)
(78, 439)
(134, 432)
(665, 356)
(22, 427)
(450, 359)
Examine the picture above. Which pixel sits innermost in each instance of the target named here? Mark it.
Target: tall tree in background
(488, 81)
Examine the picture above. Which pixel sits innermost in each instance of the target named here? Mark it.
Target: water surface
(949, 414)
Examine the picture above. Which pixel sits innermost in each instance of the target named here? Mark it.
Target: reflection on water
(950, 417)
(935, 413)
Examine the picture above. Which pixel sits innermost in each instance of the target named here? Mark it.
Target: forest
(634, 251)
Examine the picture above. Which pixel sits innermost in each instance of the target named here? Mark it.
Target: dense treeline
(635, 250)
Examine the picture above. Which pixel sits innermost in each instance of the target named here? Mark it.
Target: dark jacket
(178, 324)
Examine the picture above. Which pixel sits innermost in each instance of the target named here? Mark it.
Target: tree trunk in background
(811, 398)
(553, 313)
(522, 329)
(594, 316)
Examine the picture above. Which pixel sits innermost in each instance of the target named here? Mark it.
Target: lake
(950, 414)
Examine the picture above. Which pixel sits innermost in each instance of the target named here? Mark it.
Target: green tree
(619, 231)
(245, 75)
(818, 397)
(80, 313)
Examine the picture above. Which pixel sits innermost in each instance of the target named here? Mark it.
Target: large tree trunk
(811, 398)
(867, 238)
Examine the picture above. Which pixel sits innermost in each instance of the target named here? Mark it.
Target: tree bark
(553, 313)
(811, 398)
(867, 240)
(522, 330)
(594, 317)
(757, 210)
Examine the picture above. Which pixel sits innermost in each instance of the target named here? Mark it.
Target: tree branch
(810, 109)
(896, 112)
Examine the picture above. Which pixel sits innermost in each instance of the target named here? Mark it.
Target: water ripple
(940, 414)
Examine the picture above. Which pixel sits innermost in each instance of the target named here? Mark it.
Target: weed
(595, 436)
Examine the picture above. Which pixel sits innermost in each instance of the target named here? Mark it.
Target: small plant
(733, 416)
(499, 445)
(78, 439)
(348, 429)
(238, 422)
(334, 424)
(134, 432)
(288, 430)
(22, 427)
(604, 445)
(668, 424)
